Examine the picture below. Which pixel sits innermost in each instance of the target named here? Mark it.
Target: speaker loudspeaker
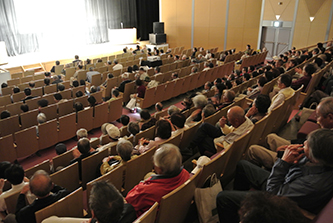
(157, 38)
(158, 27)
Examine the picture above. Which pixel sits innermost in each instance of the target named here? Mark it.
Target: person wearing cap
(114, 135)
(169, 176)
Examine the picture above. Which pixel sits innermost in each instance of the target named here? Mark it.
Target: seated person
(133, 128)
(169, 176)
(178, 122)
(4, 114)
(259, 108)
(208, 137)
(104, 133)
(303, 174)
(81, 133)
(125, 79)
(124, 150)
(146, 120)
(172, 110)
(83, 145)
(57, 63)
(199, 101)
(263, 207)
(15, 176)
(253, 92)
(114, 135)
(308, 70)
(187, 103)
(285, 91)
(124, 120)
(162, 133)
(41, 186)
(106, 205)
(158, 106)
(261, 156)
(27, 93)
(228, 99)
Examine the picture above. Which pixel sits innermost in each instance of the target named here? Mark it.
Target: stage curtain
(104, 14)
(96, 20)
(16, 42)
(148, 12)
(122, 11)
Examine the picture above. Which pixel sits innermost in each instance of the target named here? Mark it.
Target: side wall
(243, 21)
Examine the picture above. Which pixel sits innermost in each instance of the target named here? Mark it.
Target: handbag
(205, 200)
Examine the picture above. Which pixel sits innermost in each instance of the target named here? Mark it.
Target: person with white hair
(199, 101)
(41, 118)
(169, 175)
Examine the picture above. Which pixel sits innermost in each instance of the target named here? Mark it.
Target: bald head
(236, 116)
(40, 184)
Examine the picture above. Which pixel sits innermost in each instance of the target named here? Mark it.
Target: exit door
(276, 40)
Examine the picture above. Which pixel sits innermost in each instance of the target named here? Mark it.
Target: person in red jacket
(169, 175)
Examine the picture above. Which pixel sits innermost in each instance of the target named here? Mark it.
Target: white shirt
(13, 190)
(117, 67)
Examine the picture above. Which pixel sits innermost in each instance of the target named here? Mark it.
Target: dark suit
(26, 213)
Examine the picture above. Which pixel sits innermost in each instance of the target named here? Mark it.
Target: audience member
(4, 114)
(40, 185)
(162, 133)
(208, 136)
(146, 120)
(304, 174)
(264, 207)
(259, 108)
(124, 149)
(169, 176)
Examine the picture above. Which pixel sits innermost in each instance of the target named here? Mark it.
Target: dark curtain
(122, 11)
(16, 43)
(147, 13)
(97, 21)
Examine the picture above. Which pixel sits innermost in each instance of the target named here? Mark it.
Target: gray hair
(124, 149)
(91, 68)
(194, 69)
(168, 159)
(320, 143)
(326, 106)
(200, 101)
(82, 133)
(208, 110)
(173, 109)
(41, 118)
(230, 95)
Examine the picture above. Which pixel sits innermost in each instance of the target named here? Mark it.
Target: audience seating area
(18, 133)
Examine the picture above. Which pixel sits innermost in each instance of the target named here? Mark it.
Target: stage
(68, 51)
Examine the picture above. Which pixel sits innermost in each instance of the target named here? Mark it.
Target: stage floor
(68, 52)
